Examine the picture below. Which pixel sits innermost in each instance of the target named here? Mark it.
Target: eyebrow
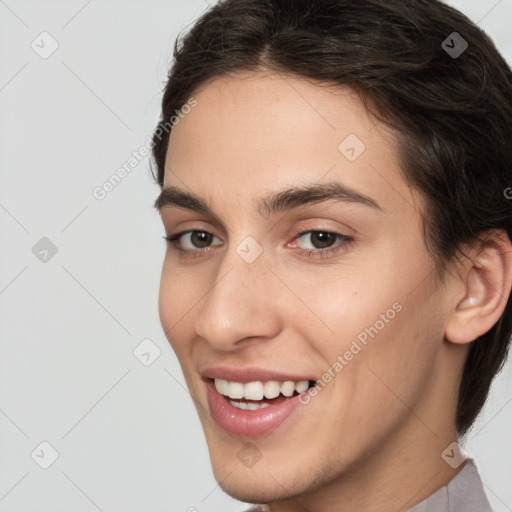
(280, 201)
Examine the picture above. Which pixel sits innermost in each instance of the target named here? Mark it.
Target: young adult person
(337, 280)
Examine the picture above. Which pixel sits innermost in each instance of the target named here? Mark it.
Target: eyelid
(175, 239)
(321, 224)
(341, 243)
(308, 215)
(330, 231)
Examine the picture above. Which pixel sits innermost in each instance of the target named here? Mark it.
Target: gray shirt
(463, 493)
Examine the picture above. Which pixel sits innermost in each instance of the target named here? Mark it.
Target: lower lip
(241, 422)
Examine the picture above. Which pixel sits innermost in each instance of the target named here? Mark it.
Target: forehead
(251, 105)
(253, 132)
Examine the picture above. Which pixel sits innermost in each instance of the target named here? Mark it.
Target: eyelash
(343, 242)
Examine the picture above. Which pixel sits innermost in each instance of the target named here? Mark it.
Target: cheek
(390, 293)
(343, 304)
(399, 356)
(387, 318)
(177, 298)
(375, 380)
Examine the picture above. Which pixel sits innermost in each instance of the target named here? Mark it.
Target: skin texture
(373, 436)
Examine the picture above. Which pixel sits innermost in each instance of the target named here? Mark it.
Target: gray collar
(463, 493)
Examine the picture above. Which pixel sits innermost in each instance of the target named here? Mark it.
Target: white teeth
(287, 388)
(253, 390)
(249, 406)
(272, 389)
(235, 390)
(257, 390)
(221, 386)
(301, 386)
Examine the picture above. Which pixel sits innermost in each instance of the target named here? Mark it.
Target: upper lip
(250, 374)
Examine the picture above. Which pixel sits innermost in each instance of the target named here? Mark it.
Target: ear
(482, 288)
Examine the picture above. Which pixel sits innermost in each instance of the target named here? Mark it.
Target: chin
(263, 484)
(243, 488)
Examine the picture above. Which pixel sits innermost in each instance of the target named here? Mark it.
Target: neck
(403, 470)
(391, 479)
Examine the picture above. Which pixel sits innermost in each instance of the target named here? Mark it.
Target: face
(299, 257)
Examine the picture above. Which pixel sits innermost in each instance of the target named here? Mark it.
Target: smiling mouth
(254, 408)
(258, 394)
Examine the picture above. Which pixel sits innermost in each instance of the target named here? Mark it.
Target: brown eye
(200, 239)
(322, 239)
(322, 244)
(188, 241)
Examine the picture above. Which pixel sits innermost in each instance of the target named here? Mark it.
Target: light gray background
(127, 435)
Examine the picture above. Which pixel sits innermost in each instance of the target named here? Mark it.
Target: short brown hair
(452, 114)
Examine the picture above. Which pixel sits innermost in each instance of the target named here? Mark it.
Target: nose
(242, 303)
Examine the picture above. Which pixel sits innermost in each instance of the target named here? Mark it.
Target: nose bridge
(238, 304)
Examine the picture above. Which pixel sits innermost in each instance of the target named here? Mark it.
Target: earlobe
(487, 281)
